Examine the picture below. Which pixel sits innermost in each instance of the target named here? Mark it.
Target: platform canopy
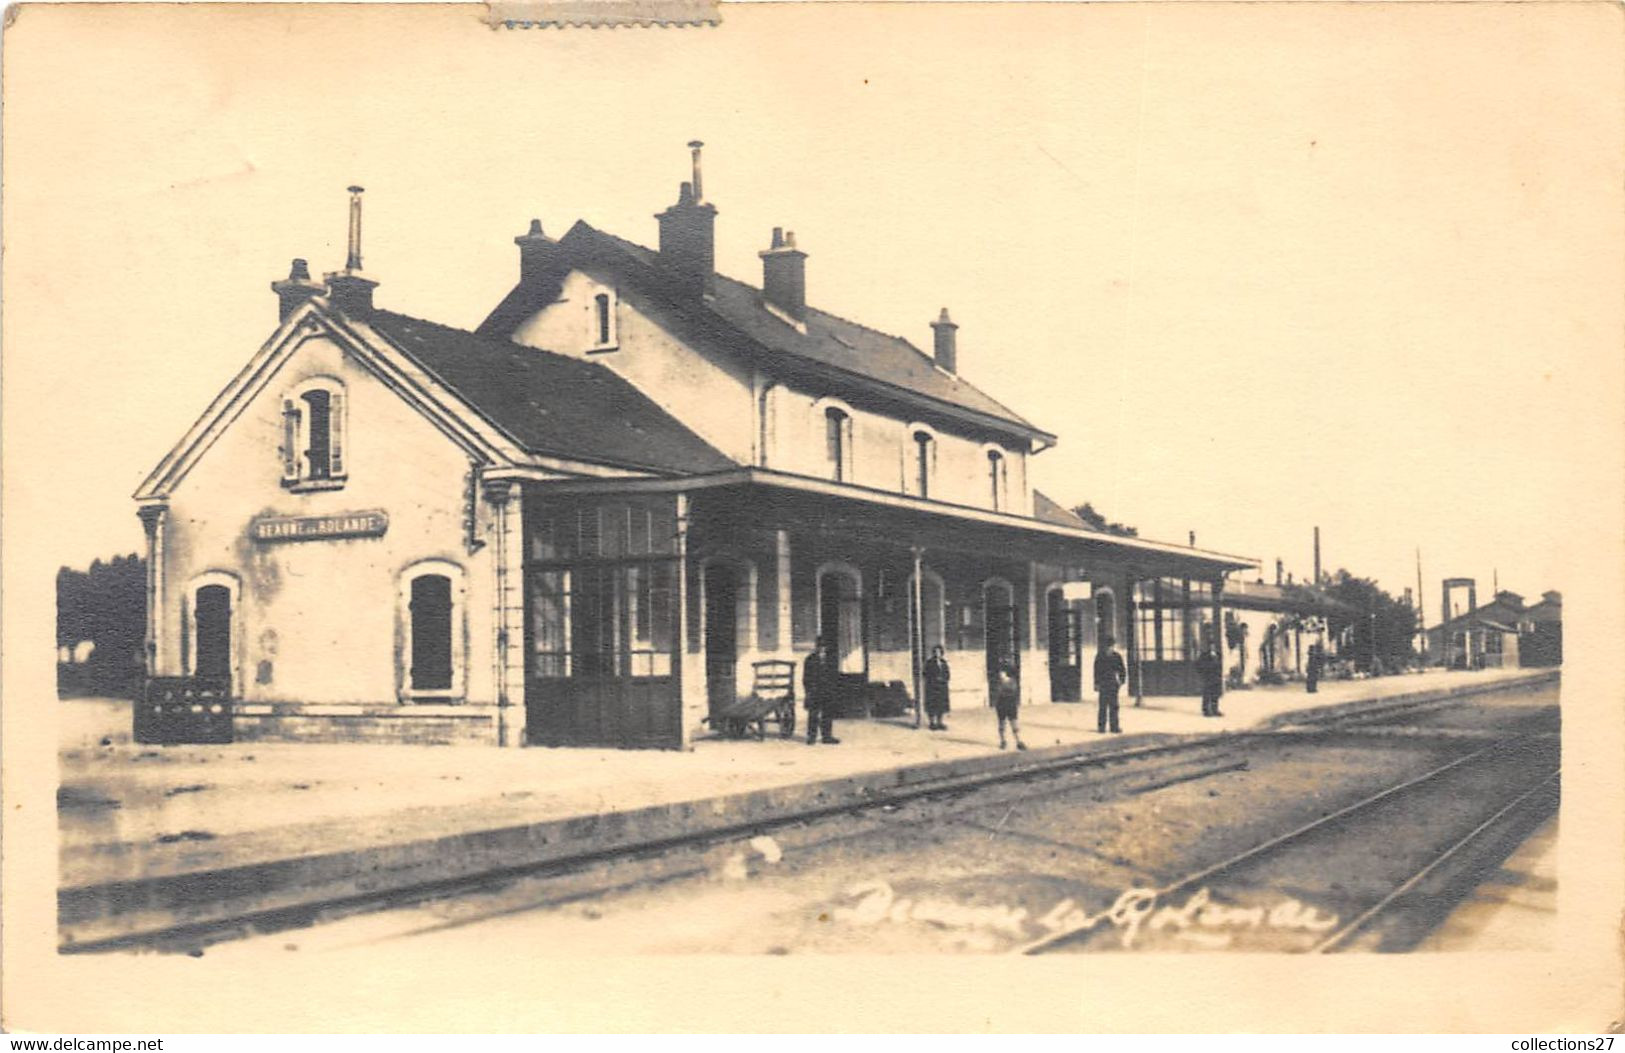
(765, 498)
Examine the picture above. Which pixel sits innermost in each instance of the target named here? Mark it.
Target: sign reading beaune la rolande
(312, 528)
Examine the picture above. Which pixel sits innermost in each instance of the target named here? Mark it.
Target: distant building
(1540, 632)
(1484, 637)
(581, 522)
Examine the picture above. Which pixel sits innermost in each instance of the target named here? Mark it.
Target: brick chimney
(536, 251)
(946, 343)
(688, 233)
(784, 275)
(347, 289)
(294, 290)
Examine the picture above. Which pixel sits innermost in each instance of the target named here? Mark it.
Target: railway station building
(581, 522)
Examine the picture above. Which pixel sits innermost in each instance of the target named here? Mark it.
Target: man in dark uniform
(1109, 676)
(818, 685)
(1317, 666)
(1211, 676)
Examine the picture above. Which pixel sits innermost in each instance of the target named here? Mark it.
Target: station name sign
(314, 528)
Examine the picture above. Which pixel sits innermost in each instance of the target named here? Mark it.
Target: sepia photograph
(632, 523)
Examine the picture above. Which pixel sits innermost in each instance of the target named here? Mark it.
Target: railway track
(1377, 874)
(1112, 773)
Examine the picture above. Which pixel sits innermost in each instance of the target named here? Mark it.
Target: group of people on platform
(820, 682)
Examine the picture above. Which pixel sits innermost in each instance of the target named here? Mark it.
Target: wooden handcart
(772, 699)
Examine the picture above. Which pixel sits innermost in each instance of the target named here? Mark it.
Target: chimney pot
(295, 289)
(347, 289)
(947, 350)
(535, 228)
(784, 275)
(694, 149)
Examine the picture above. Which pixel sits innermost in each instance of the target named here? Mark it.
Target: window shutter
(290, 441)
(335, 432)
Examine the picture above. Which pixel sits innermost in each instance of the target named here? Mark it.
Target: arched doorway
(721, 635)
(212, 613)
(999, 622)
(1105, 616)
(1065, 647)
(840, 616)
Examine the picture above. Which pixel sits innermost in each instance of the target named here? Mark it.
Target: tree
(106, 605)
(1383, 627)
(1095, 521)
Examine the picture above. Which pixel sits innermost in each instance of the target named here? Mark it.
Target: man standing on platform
(1109, 676)
(1211, 676)
(818, 685)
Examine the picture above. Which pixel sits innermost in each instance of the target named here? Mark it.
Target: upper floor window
(838, 443)
(998, 477)
(603, 322)
(925, 458)
(313, 419)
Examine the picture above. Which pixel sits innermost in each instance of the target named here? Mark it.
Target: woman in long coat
(936, 689)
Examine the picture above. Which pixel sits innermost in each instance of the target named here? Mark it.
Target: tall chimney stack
(688, 234)
(947, 350)
(347, 289)
(536, 251)
(784, 275)
(1317, 555)
(1278, 570)
(295, 289)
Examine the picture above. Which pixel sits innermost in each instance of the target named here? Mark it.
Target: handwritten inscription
(309, 528)
(1199, 919)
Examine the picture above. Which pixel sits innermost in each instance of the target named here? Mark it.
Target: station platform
(133, 816)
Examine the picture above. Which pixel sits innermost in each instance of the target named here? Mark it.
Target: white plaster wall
(325, 613)
(712, 396)
(883, 453)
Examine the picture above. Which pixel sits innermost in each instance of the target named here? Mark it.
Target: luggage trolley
(772, 698)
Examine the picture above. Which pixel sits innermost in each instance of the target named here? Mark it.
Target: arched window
(319, 433)
(998, 477)
(313, 431)
(603, 321)
(432, 632)
(838, 443)
(925, 462)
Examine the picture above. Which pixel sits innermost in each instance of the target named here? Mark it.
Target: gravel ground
(979, 872)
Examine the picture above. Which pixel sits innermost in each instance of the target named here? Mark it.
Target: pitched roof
(1049, 510)
(1297, 599)
(735, 316)
(1495, 614)
(551, 403)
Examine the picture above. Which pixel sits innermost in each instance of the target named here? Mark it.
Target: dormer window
(925, 462)
(838, 443)
(313, 436)
(603, 322)
(998, 478)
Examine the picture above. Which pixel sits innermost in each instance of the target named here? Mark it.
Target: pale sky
(1260, 267)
